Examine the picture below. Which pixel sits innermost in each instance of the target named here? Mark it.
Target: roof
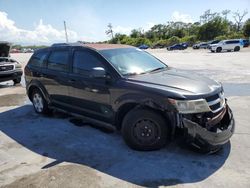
(96, 46)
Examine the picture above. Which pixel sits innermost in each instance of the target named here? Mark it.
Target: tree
(173, 40)
(135, 33)
(238, 17)
(225, 13)
(117, 38)
(110, 32)
(208, 16)
(246, 28)
(216, 27)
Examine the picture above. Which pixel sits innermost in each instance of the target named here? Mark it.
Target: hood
(214, 44)
(181, 82)
(5, 49)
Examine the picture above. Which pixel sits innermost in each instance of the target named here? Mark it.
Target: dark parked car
(143, 47)
(202, 45)
(181, 46)
(245, 43)
(123, 87)
(10, 69)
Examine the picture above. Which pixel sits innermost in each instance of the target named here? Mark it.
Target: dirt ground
(37, 151)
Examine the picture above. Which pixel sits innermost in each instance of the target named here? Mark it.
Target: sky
(41, 21)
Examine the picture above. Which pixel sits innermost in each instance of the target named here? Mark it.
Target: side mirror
(98, 72)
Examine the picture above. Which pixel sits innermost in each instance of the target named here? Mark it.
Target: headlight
(190, 106)
(18, 65)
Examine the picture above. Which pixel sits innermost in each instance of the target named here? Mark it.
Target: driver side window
(84, 62)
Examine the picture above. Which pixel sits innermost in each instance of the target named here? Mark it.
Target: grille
(6, 68)
(216, 102)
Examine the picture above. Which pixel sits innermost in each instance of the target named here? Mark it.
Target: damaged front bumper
(216, 132)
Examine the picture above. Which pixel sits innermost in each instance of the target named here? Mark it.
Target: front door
(89, 96)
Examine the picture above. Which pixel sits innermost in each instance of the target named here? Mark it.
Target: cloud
(122, 30)
(178, 17)
(127, 30)
(148, 26)
(42, 33)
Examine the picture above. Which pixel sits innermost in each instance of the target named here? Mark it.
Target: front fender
(153, 101)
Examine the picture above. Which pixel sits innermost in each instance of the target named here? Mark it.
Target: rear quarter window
(38, 59)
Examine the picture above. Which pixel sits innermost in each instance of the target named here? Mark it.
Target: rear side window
(38, 59)
(84, 62)
(232, 42)
(58, 60)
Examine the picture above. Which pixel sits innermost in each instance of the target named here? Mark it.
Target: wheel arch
(149, 104)
(37, 85)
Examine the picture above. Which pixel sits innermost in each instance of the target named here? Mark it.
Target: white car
(226, 45)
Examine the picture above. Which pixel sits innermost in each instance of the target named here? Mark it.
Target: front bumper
(6, 76)
(218, 132)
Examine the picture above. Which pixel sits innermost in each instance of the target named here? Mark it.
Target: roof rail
(59, 44)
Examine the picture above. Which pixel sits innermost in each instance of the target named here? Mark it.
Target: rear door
(56, 76)
(89, 96)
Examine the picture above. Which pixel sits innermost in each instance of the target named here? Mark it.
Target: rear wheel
(144, 129)
(237, 48)
(39, 103)
(219, 49)
(17, 81)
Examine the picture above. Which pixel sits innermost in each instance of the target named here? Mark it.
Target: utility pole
(66, 34)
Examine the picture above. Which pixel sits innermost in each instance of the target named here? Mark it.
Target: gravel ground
(38, 151)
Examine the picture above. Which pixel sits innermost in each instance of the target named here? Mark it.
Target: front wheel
(39, 103)
(219, 49)
(144, 130)
(17, 81)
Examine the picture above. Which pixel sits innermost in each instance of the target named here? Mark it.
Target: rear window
(58, 60)
(38, 59)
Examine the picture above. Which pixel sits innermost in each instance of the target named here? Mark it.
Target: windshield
(131, 61)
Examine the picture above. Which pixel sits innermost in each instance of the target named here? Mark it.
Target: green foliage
(162, 42)
(212, 25)
(221, 37)
(246, 28)
(173, 40)
(20, 47)
(216, 27)
(191, 40)
(234, 35)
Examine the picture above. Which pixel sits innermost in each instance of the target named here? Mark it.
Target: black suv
(123, 87)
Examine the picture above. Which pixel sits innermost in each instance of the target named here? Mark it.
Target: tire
(237, 48)
(144, 130)
(219, 49)
(17, 81)
(39, 103)
(212, 51)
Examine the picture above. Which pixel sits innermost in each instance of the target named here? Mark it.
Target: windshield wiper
(134, 73)
(157, 69)
(130, 74)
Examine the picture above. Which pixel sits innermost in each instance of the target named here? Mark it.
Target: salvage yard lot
(39, 151)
